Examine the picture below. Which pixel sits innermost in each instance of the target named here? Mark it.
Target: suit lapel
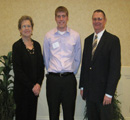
(89, 46)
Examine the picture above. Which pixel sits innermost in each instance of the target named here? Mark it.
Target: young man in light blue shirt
(62, 55)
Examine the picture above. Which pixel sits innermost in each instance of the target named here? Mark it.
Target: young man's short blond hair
(61, 9)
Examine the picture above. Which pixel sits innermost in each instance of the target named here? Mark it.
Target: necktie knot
(95, 36)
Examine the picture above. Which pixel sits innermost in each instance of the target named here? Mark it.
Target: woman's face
(26, 29)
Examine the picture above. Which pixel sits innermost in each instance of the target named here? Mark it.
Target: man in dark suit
(100, 69)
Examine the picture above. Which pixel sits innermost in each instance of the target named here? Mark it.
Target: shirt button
(90, 68)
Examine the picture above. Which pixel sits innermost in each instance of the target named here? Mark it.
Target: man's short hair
(61, 9)
(99, 10)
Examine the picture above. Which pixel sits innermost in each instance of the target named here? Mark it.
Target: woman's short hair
(25, 17)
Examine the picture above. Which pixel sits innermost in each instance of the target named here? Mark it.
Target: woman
(28, 69)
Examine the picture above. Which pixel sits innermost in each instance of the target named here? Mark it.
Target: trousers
(98, 111)
(61, 90)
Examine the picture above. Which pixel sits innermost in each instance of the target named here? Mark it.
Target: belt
(61, 74)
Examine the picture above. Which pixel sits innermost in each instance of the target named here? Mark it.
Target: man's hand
(81, 93)
(107, 100)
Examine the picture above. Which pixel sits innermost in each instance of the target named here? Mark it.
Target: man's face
(99, 21)
(61, 20)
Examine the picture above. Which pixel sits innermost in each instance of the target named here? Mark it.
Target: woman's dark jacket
(24, 79)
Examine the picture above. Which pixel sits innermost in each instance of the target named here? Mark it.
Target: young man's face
(98, 21)
(61, 20)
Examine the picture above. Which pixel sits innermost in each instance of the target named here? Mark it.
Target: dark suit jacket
(100, 75)
(22, 66)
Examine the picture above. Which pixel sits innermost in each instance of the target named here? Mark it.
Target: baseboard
(61, 118)
(77, 118)
(43, 118)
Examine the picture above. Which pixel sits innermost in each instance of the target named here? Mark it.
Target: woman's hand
(36, 89)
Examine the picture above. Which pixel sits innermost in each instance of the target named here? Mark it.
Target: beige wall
(80, 12)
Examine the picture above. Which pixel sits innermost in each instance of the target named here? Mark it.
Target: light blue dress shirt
(62, 52)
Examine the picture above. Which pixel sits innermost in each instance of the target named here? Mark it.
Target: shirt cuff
(81, 88)
(108, 95)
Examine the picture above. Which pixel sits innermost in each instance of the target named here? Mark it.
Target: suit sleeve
(115, 66)
(81, 83)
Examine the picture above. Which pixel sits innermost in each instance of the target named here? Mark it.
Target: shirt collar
(57, 33)
(99, 35)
